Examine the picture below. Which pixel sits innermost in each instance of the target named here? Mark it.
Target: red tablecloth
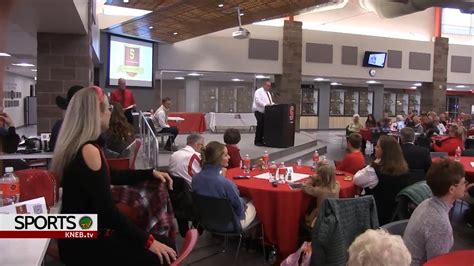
(366, 134)
(456, 258)
(193, 122)
(466, 162)
(280, 209)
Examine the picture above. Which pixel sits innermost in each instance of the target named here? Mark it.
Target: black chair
(396, 228)
(182, 202)
(423, 141)
(217, 216)
(416, 175)
(468, 152)
(162, 136)
(409, 198)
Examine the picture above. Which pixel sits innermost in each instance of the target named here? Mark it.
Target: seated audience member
(378, 247)
(86, 179)
(429, 232)
(443, 119)
(231, 139)
(391, 176)
(9, 139)
(418, 127)
(409, 121)
(160, 121)
(399, 123)
(62, 103)
(120, 133)
(209, 182)
(382, 129)
(450, 144)
(441, 128)
(322, 186)
(466, 121)
(355, 125)
(416, 157)
(354, 160)
(370, 122)
(186, 162)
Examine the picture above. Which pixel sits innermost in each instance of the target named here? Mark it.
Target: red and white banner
(48, 225)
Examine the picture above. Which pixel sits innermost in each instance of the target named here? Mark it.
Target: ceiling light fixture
(449, 89)
(125, 1)
(261, 77)
(335, 84)
(24, 65)
(4, 54)
(194, 74)
(220, 5)
(175, 33)
(417, 84)
(461, 86)
(371, 82)
(236, 79)
(151, 27)
(34, 70)
(178, 77)
(241, 14)
(413, 88)
(319, 79)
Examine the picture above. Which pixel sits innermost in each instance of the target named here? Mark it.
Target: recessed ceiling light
(371, 82)
(461, 86)
(236, 79)
(335, 84)
(417, 84)
(125, 1)
(151, 27)
(24, 65)
(241, 14)
(36, 78)
(175, 33)
(449, 89)
(220, 5)
(319, 79)
(261, 77)
(414, 88)
(4, 54)
(34, 70)
(178, 77)
(194, 74)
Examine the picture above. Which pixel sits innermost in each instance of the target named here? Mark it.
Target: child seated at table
(322, 186)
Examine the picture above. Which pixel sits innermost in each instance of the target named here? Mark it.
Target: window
(455, 22)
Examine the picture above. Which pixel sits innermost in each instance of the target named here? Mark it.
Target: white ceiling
(31, 16)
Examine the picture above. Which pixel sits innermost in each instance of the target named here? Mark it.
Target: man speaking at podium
(261, 98)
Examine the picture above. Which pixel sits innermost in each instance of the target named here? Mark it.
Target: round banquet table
(280, 209)
(456, 258)
(466, 162)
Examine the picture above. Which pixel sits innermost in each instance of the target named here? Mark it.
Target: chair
(339, 222)
(188, 245)
(159, 134)
(138, 144)
(468, 152)
(182, 202)
(439, 155)
(409, 198)
(119, 163)
(396, 228)
(35, 183)
(217, 216)
(416, 175)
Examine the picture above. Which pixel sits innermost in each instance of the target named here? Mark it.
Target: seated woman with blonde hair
(79, 162)
(209, 182)
(450, 144)
(322, 186)
(378, 247)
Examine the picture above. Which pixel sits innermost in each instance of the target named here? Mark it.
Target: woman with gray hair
(377, 247)
(355, 125)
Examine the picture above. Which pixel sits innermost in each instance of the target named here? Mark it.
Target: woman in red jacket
(450, 144)
(231, 139)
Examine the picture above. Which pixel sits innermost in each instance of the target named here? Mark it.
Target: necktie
(269, 99)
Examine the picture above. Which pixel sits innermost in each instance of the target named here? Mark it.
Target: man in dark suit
(416, 157)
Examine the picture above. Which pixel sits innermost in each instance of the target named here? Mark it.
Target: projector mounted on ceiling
(241, 33)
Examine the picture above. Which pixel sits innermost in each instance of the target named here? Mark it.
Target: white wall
(17, 83)
(461, 50)
(365, 43)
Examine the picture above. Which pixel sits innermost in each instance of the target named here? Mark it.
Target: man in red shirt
(125, 97)
(354, 160)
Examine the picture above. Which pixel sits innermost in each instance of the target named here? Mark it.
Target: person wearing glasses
(429, 232)
(86, 179)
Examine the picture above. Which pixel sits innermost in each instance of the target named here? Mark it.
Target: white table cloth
(234, 120)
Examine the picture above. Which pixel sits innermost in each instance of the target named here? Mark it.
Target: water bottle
(457, 154)
(10, 187)
(315, 158)
(265, 158)
(282, 172)
(272, 171)
(369, 148)
(246, 164)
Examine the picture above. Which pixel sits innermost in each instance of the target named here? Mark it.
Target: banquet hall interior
(197, 66)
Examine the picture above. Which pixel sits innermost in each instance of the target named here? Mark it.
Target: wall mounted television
(374, 59)
(132, 60)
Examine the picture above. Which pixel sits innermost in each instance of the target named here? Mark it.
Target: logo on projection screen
(132, 62)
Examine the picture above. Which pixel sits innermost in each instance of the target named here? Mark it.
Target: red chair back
(138, 144)
(188, 245)
(119, 163)
(36, 183)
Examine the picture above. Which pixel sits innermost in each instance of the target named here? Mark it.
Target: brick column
(433, 94)
(288, 85)
(64, 60)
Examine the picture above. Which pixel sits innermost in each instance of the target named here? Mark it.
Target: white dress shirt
(261, 99)
(160, 118)
(185, 163)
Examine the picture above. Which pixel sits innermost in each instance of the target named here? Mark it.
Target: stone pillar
(64, 60)
(324, 100)
(378, 100)
(433, 94)
(192, 94)
(288, 85)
